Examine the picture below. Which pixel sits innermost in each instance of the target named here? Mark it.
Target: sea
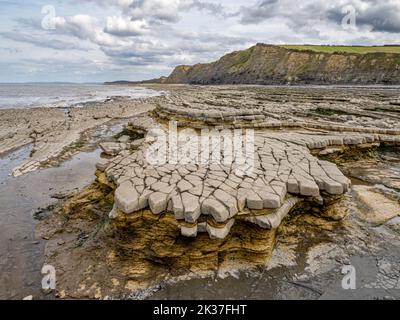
(65, 95)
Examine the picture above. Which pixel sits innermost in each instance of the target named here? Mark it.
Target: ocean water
(64, 95)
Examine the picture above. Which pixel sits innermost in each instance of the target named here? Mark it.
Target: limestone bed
(141, 224)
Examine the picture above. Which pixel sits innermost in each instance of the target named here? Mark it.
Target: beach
(68, 168)
(52, 129)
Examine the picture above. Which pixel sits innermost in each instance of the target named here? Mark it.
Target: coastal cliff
(267, 64)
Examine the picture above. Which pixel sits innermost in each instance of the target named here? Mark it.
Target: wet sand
(21, 252)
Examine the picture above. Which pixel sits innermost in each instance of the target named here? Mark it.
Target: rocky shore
(210, 197)
(53, 130)
(143, 223)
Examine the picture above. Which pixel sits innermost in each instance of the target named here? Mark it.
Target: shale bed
(127, 236)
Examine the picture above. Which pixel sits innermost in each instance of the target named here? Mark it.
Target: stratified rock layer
(268, 64)
(262, 186)
(282, 167)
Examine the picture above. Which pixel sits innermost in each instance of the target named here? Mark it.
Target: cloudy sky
(101, 40)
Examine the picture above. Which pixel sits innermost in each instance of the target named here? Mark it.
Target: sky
(106, 40)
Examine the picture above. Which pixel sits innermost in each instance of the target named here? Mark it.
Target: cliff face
(267, 64)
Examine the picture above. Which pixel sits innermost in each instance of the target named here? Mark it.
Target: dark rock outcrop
(268, 64)
(124, 82)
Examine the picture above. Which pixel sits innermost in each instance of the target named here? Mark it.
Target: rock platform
(260, 187)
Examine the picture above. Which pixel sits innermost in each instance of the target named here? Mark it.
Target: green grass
(242, 58)
(345, 49)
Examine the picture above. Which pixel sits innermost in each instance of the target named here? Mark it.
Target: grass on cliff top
(242, 57)
(346, 49)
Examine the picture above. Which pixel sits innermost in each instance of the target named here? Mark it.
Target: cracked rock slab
(278, 169)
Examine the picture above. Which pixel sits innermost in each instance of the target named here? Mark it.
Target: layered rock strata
(260, 187)
(208, 198)
(268, 64)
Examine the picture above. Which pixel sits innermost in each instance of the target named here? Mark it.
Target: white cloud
(40, 41)
(376, 14)
(87, 28)
(121, 26)
(164, 10)
(146, 38)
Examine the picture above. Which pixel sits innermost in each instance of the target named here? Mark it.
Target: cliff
(268, 64)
